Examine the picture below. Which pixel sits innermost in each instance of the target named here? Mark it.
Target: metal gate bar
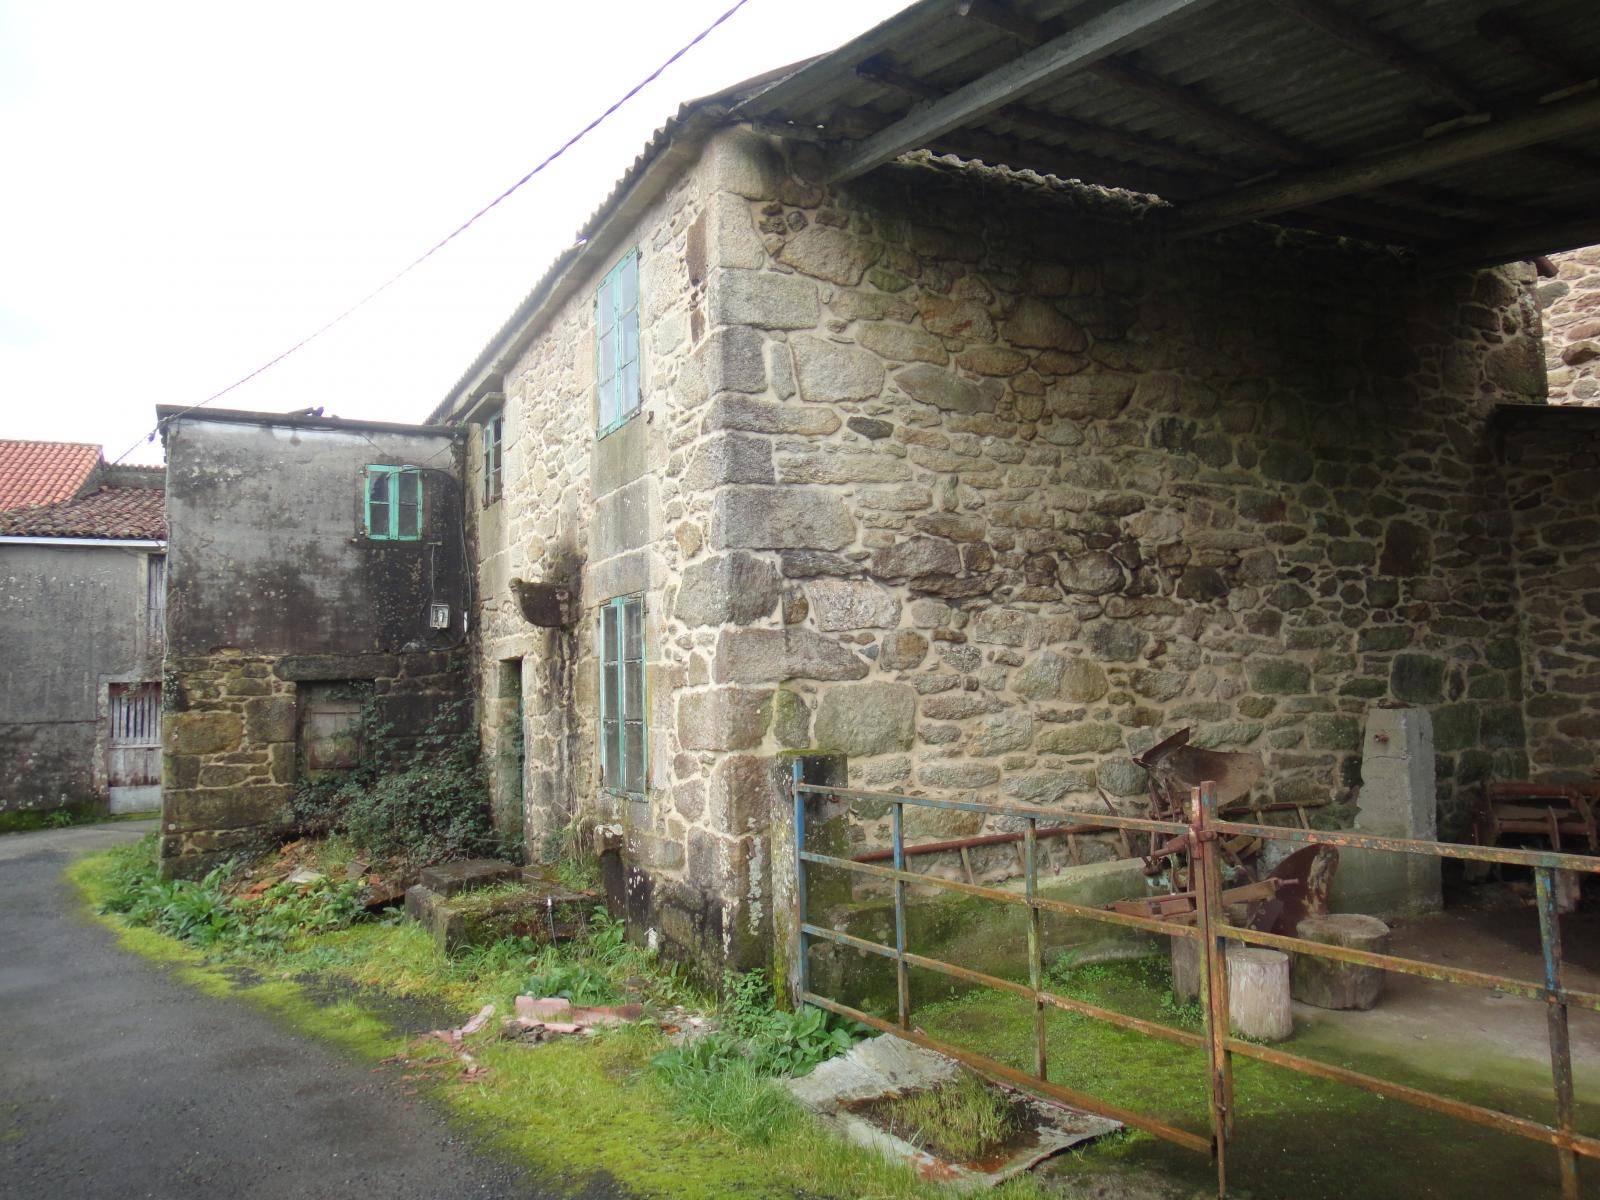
(1213, 933)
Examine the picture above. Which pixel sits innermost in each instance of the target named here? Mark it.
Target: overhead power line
(452, 235)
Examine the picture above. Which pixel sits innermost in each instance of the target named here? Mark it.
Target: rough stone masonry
(976, 478)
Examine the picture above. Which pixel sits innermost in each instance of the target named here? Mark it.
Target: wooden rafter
(1504, 30)
(1077, 49)
(1315, 185)
(1513, 245)
(1204, 111)
(1381, 48)
(1048, 123)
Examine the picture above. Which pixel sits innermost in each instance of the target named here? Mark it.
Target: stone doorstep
(455, 924)
(447, 879)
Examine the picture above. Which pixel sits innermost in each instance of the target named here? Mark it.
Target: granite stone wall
(231, 753)
(1571, 304)
(1552, 465)
(981, 482)
(1000, 487)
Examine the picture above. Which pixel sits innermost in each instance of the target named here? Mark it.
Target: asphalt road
(117, 1080)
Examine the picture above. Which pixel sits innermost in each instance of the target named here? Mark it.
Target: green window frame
(493, 435)
(622, 697)
(393, 503)
(616, 343)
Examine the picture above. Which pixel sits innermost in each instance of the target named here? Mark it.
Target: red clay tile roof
(44, 472)
(106, 512)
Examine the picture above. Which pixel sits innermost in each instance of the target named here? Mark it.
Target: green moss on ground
(1295, 1135)
(572, 1109)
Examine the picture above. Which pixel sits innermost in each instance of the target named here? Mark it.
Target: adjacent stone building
(971, 476)
(82, 557)
(1571, 304)
(317, 590)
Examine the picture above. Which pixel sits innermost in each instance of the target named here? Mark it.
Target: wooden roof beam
(1075, 50)
(1544, 124)
(1514, 245)
(1048, 123)
(1383, 49)
(1500, 27)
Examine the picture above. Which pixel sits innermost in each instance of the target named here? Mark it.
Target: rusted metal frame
(1035, 945)
(977, 840)
(1111, 820)
(1206, 870)
(1472, 1113)
(1437, 972)
(1556, 1017)
(1021, 1079)
(1363, 841)
(1000, 895)
(1181, 1037)
(902, 984)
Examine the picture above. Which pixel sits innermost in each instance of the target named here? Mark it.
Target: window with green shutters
(616, 335)
(622, 698)
(394, 504)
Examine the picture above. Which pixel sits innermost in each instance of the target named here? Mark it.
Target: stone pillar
(1397, 800)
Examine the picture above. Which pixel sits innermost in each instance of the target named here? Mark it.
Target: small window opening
(616, 322)
(622, 696)
(493, 435)
(394, 504)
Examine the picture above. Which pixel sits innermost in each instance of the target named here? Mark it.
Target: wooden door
(133, 747)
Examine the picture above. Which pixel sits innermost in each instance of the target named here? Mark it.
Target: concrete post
(1397, 800)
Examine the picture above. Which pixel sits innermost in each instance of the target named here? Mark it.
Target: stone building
(826, 438)
(82, 557)
(317, 587)
(987, 481)
(1571, 304)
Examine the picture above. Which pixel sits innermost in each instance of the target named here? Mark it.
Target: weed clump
(962, 1120)
(203, 913)
(726, 1078)
(422, 802)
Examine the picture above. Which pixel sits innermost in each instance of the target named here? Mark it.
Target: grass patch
(574, 1108)
(1296, 1135)
(962, 1120)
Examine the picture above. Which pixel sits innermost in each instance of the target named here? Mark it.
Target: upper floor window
(155, 602)
(394, 504)
(616, 324)
(493, 434)
(622, 699)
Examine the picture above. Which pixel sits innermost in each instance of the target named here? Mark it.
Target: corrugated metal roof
(1210, 107)
(1261, 68)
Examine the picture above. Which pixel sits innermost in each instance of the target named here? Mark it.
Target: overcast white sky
(190, 188)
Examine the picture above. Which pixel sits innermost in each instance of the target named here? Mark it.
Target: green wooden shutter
(616, 323)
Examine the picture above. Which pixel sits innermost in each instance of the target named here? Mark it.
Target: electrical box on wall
(439, 616)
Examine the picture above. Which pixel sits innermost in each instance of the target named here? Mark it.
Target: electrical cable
(451, 236)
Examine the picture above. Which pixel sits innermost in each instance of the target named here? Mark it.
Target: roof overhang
(1464, 133)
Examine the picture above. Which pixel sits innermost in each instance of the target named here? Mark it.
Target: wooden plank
(1075, 50)
(1294, 190)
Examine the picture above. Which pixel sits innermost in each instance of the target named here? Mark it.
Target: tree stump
(1258, 993)
(1327, 983)
(1258, 987)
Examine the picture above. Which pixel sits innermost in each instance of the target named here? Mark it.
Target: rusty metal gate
(133, 746)
(1212, 931)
